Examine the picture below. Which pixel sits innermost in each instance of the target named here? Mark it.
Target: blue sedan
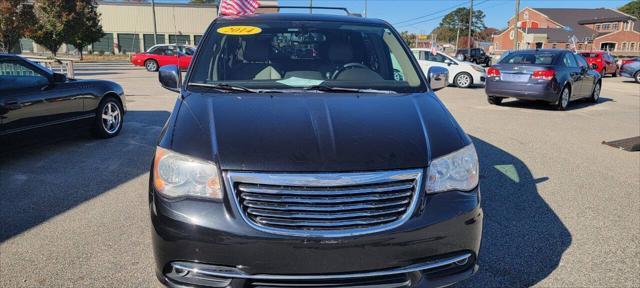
(552, 75)
(631, 70)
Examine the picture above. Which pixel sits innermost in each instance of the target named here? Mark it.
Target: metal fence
(59, 65)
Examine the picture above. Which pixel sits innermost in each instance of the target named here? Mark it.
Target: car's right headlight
(177, 175)
(457, 171)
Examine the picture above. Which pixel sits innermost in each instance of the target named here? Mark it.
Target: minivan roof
(299, 17)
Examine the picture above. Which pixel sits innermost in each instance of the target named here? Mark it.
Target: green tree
(83, 27)
(51, 18)
(459, 19)
(632, 8)
(15, 18)
(409, 38)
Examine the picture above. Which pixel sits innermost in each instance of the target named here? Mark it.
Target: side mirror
(594, 66)
(59, 78)
(438, 78)
(170, 77)
(448, 62)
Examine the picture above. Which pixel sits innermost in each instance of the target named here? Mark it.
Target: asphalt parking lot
(560, 207)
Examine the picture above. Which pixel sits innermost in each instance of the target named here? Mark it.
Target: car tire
(637, 76)
(109, 118)
(151, 65)
(463, 80)
(615, 73)
(493, 100)
(564, 98)
(595, 94)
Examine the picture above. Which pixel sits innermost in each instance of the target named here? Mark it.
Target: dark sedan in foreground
(328, 164)
(555, 76)
(32, 96)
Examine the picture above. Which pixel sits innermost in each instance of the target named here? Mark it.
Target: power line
(427, 15)
(439, 16)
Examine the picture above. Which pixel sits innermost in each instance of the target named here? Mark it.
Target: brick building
(595, 29)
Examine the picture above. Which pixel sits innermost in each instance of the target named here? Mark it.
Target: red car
(164, 54)
(605, 63)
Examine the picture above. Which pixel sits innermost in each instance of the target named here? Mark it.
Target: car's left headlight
(176, 175)
(457, 171)
(478, 68)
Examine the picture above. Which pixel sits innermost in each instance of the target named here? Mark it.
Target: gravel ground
(559, 206)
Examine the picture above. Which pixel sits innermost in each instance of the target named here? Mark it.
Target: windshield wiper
(233, 88)
(326, 88)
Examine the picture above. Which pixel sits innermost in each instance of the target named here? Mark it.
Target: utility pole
(365, 8)
(311, 6)
(515, 26)
(155, 28)
(470, 22)
(457, 37)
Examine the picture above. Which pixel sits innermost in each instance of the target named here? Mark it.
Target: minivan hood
(316, 132)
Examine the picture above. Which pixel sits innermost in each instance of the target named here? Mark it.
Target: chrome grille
(325, 204)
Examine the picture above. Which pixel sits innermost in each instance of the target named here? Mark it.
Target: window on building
(580, 46)
(566, 46)
(606, 27)
(554, 45)
(598, 27)
(128, 43)
(624, 46)
(614, 26)
(625, 26)
(150, 41)
(632, 46)
(608, 46)
(196, 39)
(104, 45)
(179, 39)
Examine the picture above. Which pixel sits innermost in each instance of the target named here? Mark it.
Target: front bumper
(543, 90)
(194, 231)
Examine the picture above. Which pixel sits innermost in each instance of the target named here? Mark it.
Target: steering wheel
(348, 66)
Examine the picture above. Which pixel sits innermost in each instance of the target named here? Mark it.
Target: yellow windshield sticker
(240, 30)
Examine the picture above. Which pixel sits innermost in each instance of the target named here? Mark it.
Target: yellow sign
(240, 30)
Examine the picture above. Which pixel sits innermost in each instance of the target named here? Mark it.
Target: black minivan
(310, 151)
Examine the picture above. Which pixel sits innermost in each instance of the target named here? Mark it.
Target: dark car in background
(552, 75)
(309, 151)
(604, 63)
(631, 69)
(477, 56)
(32, 96)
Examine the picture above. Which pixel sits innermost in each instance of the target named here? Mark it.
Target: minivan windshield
(283, 55)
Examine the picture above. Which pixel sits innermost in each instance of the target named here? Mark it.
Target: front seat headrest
(256, 51)
(340, 52)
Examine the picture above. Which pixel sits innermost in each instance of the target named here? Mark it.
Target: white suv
(461, 73)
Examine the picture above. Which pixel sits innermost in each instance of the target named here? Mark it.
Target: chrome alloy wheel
(151, 65)
(463, 80)
(565, 98)
(596, 92)
(111, 117)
